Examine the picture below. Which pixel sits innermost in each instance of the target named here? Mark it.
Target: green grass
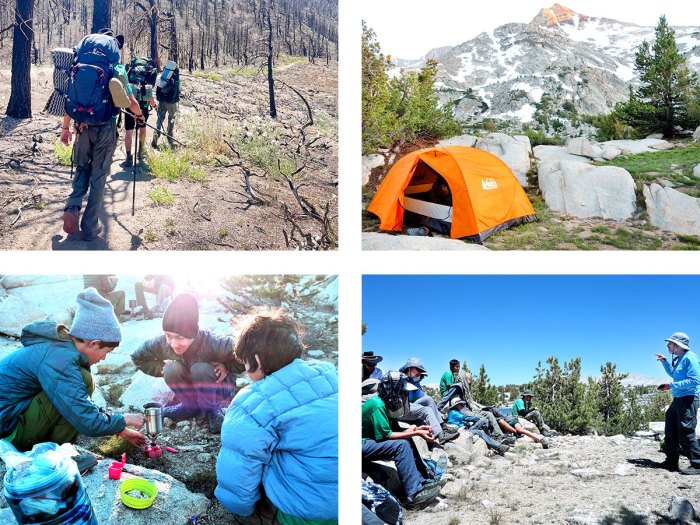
(63, 153)
(173, 165)
(259, 143)
(114, 447)
(247, 71)
(208, 76)
(161, 196)
(675, 165)
(223, 232)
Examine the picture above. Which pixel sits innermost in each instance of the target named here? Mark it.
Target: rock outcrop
(672, 210)
(584, 191)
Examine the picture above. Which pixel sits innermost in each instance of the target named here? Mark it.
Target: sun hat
(369, 357)
(455, 401)
(527, 393)
(680, 339)
(414, 362)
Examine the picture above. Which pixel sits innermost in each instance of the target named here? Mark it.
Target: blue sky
(508, 322)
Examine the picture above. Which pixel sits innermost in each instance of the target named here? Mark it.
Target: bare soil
(219, 214)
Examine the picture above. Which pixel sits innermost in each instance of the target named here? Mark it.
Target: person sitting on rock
(278, 461)
(106, 286)
(369, 366)
(47, 384)
(450, 377)
(381, 443)
(422, 406)
(474, 424)
(162, 286)
(513, 426)
(197, 365)
(462, 389)
(523, 408)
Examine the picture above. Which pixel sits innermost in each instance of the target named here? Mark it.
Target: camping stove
(154, 426)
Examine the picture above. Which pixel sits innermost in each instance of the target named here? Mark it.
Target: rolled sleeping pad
(63, 61)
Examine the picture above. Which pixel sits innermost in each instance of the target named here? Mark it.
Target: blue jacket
(282, 432)
(415, 395)
(50, 362)
(686, 375)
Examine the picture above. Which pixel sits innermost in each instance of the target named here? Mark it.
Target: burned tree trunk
(153, 22)
(101, 15)
(173, 36)
(270, 79)
(20, 104)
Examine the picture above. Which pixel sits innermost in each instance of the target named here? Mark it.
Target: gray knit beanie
(95, 319)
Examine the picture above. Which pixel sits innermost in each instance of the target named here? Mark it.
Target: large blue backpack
(88, 100)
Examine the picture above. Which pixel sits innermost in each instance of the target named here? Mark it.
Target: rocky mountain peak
(556, 15)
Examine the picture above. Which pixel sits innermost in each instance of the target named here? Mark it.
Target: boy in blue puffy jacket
(279, 442)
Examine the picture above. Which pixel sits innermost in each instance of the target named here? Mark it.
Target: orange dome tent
(485, 194)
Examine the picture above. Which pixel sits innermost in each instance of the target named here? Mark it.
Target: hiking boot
(545, 443)
(428, 492)
(180, 412)
(154, 143)
(71, 221)
(447, 435)
(215, 418)
(509, 440)
(85, 462)
(129, 162)
(142, 151)
(691, 471)
(502, 449)
(669, 464)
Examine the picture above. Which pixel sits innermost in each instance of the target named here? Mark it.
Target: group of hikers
(161, 286)
(278, 461)
(398, 397)
(100, 89)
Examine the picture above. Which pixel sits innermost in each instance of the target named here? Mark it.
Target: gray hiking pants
(535, 417)
(93, 150)
(171, 109)
(424, 411)
(497, 432)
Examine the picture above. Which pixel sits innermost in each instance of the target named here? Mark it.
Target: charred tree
(270, 79)
(20, 104)
(174, 56)
(153, 23)
(101, 15)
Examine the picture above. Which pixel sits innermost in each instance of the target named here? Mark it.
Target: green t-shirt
(375, 421)
(518, 406)
(288, 519)
(447, 379)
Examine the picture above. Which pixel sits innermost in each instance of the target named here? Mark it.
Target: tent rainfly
(485, 194)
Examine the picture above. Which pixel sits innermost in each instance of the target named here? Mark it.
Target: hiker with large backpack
(380, 442)
(141, 73)
(168, 95)
(96, 90)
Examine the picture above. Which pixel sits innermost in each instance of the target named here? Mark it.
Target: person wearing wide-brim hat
(369, 388)
(681, 416)
(423, 407)
(523, 408)
(369, 366)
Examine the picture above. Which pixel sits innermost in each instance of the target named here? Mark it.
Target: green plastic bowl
(142, 485)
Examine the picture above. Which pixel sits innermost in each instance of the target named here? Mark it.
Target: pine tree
(484, 392)
(667, 85)
(610, 401)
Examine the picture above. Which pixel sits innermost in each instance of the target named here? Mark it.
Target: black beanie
(182, 316)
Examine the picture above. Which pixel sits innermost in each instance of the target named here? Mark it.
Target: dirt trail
(213, 214)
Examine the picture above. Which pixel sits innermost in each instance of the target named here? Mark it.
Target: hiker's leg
(490, 442)
(118, 300)
(370, 518)
(452, 392)
(520, 430)
(265, 513)
(688, 421)
(398, 450)
(494, 422)
(204, 381)
(423, 416)
(481, 424)
(82, 157)
(160, 117)
(105, 142)
(140, 296)
(42, 422)
(429, 403)
(172, 113)
(179, 380)
(535, 417)
(163, 291)
(672, 431)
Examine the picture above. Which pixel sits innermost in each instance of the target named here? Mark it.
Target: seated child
(278, 461)
(473, 424)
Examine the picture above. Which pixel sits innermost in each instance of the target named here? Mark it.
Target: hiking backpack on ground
(88, 100)
(167, 84)
(381, 502)
(142, 75)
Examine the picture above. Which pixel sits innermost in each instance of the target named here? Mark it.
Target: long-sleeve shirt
(686, 375)
(446, 381)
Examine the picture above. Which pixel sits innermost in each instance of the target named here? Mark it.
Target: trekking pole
(136, 151)
(146, 124)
